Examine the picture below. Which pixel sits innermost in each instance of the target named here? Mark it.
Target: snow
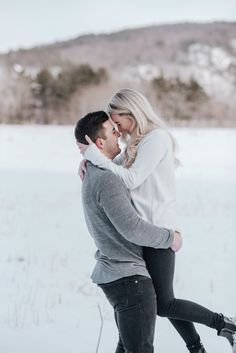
(205, 55)
(48, 303)
(210, 66)
(18, 68)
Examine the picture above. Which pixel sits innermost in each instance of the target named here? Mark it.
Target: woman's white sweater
(150, 179)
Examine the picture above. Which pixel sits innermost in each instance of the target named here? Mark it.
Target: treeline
(61, 96)
(180, 100)
(53, 94)
(48, 96)
(60, 89)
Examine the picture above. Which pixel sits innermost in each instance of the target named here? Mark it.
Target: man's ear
(99, 143)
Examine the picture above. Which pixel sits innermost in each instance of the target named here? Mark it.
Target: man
(119, 235)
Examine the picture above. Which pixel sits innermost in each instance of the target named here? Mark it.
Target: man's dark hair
(91, 125)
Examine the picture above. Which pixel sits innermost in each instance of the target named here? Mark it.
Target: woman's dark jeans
(181, 313)
(134, 301)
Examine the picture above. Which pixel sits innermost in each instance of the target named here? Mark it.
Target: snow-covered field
(47, 301)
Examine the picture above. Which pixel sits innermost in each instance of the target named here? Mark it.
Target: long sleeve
(113, 198)
(119, 159)
(150, 152)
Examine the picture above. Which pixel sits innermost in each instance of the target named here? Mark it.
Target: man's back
(114, 224)
(117, 257)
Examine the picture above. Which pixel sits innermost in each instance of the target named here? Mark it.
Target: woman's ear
(132, 122)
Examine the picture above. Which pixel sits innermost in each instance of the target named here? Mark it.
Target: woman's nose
(120, 129)
(117, 133)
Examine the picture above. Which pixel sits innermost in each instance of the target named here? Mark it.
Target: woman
(147, 167)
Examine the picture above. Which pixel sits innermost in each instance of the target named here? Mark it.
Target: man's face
(109, 146)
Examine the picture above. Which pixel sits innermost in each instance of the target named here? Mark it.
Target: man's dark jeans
(134, 302)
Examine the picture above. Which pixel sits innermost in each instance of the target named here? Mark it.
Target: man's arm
(113, 197)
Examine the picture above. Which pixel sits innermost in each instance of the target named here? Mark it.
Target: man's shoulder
(102, 177)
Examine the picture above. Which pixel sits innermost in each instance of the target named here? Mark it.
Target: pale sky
(26, 23)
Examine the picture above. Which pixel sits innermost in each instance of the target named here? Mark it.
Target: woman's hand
(82, 169)
(177, 242)
(82, 146)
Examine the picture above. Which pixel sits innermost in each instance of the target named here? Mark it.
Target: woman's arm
(118, 160)
(82, 167)
(150, 152)
(114, 200)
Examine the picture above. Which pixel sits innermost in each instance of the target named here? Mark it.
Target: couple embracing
(130, 210)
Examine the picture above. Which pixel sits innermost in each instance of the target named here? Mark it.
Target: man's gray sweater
(118, 232)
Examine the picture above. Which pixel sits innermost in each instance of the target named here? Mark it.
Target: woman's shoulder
(156, 136)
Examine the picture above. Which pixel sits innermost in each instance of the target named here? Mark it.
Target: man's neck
(106, 154)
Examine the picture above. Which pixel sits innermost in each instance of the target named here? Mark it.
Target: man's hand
(83, 147)
(82, 169)
(177, 242)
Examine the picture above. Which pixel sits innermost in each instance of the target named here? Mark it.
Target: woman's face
(124, 123)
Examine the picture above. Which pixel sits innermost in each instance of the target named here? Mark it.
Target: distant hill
(157, 45)
(202, 52)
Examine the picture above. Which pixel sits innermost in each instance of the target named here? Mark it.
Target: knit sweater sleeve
(151, 149)
(112, 197)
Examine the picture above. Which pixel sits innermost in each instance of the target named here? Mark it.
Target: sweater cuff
(92, 154)
(171, 238)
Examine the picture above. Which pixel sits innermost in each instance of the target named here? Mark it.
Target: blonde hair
(129, 102)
